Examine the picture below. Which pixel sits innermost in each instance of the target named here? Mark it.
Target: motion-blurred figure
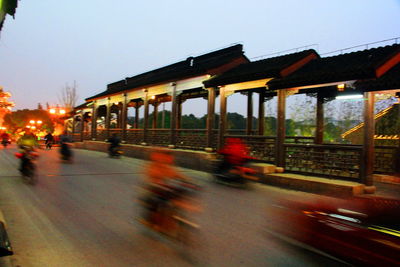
(231, 168)
(5, 139)
(65, 150)
(49, 139)
(115, 144)
(169, 196)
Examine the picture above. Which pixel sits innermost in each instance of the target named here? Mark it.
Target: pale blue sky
(96, 42)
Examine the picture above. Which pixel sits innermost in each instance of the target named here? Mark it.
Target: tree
(68, 96)
(18, 120)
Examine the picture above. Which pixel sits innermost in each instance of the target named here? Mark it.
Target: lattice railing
(101, 134)
(76, 137)
(87, 136)
(191, 138)
(385, 159)
(260, 147)
(159, 137)
(134, 136)
(330, 160)
(117, 131)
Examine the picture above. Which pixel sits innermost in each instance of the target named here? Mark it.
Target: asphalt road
(83, 214)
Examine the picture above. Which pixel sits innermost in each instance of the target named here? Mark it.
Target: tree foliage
(19, 119)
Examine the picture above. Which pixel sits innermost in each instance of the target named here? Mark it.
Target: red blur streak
(310, 223)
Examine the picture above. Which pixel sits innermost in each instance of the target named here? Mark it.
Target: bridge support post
(108, 118)
(249, 121)
(94, 120)
(124, 116)
(319, 133)
(367, 158)
(146, 117)
(174, 112)
(210, 117)
(280, 130)
(222, 117)
(261, 112)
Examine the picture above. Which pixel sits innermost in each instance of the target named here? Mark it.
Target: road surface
(83, 214)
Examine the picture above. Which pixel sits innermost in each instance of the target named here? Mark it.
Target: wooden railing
(328, 160)
(386, 158)
(158, 137)
(87, 136)
(101, 134)
(191, 138)
(76, 137)
(134, 136)
(117, 131)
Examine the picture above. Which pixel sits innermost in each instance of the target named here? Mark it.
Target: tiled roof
(191, 67)
(266, 68)
(346, 67)
(390, 80)
(82, 106)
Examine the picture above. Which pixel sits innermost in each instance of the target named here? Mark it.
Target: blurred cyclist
(161, 175)
(234, 153)
(114, 144)
(49, 139)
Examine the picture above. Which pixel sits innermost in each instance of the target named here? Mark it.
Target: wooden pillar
(73, 127)
(82, 125)
(155, 114)
(367, 166)
(146, 117)
(210, 116)
(124, 116)
(249, 121)
(261, 112)
(94, 121)
(108, 118)
(319, 132)
(136, 123)
(179, 113)
(222, 117)
(280, 130)
(174, 111)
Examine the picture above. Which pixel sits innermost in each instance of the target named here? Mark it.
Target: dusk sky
(96, 42)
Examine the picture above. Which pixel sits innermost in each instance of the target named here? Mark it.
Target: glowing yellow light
(39, 122)
(33, 127)
(52, 111)
(28, 126)
(62, 111)
(31, 121)
(341, 87)
(153, 97)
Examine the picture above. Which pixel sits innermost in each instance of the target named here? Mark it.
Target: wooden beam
(108, 118)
